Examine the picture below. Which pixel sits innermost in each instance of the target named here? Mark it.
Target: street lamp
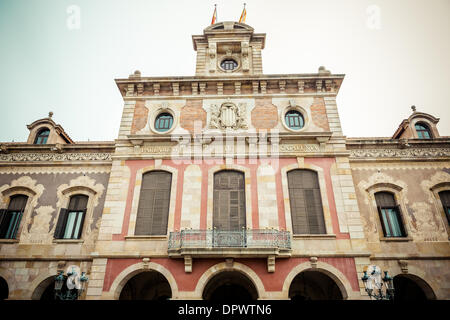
(75, 285)
(373, 284)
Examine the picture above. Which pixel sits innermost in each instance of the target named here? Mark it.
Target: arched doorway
(230, 286)
(314, 285)
(412, 288)
(46, 290)
(4, 289)
(148, 285)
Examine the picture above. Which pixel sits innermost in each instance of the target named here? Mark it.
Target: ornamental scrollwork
(22, 157)
(400, 153)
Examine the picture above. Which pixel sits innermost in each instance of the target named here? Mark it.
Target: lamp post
(373, 284)
(74, 285)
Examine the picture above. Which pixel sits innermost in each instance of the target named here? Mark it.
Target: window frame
(39, 135)
(171, 121)
(308, 215)
(303, 112)
(426, 129)
(17, 215)
(62, 220)
(397, 192)
(324, 198)
(150, 233)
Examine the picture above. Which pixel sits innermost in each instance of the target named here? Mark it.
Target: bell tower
(229, 49)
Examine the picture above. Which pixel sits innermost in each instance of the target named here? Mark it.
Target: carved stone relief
(228, 116)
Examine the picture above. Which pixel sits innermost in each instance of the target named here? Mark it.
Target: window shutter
(381, 220)
(306, 202)
(83, 215)
(3, 222)
(154, 203)
(61, 224)
(400, 221)
(229, 201)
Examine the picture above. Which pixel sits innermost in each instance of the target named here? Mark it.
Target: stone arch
(137, 192)
(133, 270)
(8, 277)
(323, 193)
(236, 266)
(39, 284)
(337, 276)
(248, 194)
(419, 277)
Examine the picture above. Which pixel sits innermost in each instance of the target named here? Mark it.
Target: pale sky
(394, 54)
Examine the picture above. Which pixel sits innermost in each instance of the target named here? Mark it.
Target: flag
(243, 15)
(214, 18)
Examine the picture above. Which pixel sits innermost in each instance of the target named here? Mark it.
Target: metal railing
(245, 238)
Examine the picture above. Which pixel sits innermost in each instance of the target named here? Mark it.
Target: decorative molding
(37, 157)
(54, 170)
(400, 153)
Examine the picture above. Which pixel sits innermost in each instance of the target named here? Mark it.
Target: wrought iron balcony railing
(264, 238)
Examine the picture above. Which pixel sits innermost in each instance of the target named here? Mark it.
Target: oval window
(163, 122)
(294, 120)
(229, 64)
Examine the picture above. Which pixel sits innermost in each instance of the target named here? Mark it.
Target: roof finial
(50, 114)
(413, 108)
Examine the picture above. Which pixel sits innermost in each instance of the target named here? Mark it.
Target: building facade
(229, 183)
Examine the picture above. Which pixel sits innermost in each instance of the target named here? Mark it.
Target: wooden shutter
(83, 216)
(306, 202)
(445, 199)
(4, 222)
(382, 221)
(229, 201)
(61, 224)
(154, 202)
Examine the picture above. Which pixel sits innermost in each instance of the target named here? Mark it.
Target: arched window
(10, 218)
(423, 131)
(70, 221)
(42, 136)
(445, 199)
(154, 201)
(306, 202)
(390, 216)
(229, 201)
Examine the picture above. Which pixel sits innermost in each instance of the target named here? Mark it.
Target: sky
(394, 54)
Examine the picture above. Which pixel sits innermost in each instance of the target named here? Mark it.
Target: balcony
(230, 244)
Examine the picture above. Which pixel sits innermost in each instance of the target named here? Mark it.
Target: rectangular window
(154, 202)
(70, 221)
(11, 217)
(390, 216)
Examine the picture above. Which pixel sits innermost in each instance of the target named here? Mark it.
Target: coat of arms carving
(228, 116)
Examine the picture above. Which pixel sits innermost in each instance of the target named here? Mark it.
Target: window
(163, 122)
(423, 132)
(154, 201)
(294, 120)
(306, 202)
(70, 221)
(229, 201)
(229, 64)
(10, 218)
(389, 212)
(445, 199)
(42, 136)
